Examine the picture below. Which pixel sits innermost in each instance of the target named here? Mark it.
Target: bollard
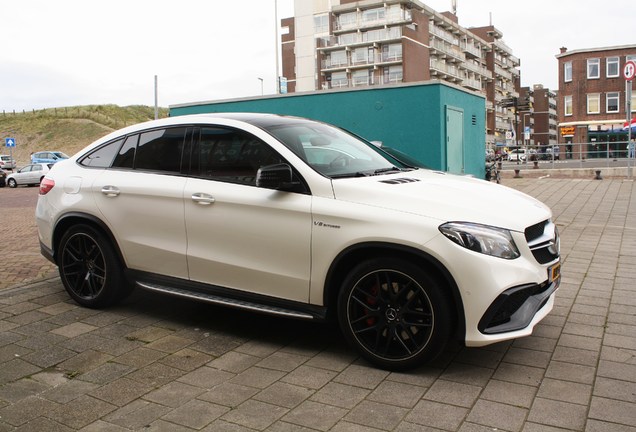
(598, 175)
(517, 175)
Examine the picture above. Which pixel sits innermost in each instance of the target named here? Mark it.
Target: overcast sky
(77, 52)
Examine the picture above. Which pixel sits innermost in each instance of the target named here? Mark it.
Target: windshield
(334, 152)
(60, 155)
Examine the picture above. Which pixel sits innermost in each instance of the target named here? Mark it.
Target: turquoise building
(435, 122)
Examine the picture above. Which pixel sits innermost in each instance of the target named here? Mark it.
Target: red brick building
(591, 100)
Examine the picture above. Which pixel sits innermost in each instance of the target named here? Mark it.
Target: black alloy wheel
(394, 314)
(90, 269)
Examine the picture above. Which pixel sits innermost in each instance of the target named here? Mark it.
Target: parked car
(3, 178)
(48, 157)
(551, 153)
(7, 162)
(517, 155)
(228, 209)
(30, 175)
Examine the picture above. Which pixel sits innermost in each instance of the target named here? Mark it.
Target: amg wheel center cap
(391, 314)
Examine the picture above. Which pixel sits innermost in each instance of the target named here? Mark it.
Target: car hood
(445, 197)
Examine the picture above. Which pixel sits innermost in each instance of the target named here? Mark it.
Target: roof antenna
(454, 6)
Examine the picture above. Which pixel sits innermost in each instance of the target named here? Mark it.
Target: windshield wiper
(387, 170)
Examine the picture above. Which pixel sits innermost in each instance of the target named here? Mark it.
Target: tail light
(46, 185)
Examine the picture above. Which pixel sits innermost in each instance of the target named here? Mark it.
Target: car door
(141, 198)
(241, 236)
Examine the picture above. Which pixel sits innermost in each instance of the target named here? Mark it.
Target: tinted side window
(232, 156)
(126, 156)
(160, 150)
(103, 156)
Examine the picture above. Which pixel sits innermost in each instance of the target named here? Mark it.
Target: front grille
(543, 240)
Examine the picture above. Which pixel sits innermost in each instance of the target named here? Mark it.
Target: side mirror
(278, 176)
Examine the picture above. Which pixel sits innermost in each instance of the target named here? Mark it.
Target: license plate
(554, 273)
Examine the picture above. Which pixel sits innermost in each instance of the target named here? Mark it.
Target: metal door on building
(454, 140)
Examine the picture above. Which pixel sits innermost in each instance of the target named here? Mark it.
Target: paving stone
(195, 414)
(310, 377)
(228, 394)
(121, 391)
(514, 394)
(206, 377)
(174, 394)
(282, 361)
(315, 415)
(437, 415)
(233, 361)
(26, 410)
(73, 330)
(340, 395)
(565, 391)
(498, 415)
(453, 393)
(559, 414)
(255, 414)
(378, 415)
(362, 376)
(612, 411)
(186, 359)
(283, 394)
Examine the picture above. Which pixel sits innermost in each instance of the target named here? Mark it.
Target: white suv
(298, 218)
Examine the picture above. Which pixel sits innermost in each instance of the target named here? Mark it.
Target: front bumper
(514, 309)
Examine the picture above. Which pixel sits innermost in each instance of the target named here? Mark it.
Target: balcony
(470, 49)
(443, 34)
(362, 82)
(445, 70)
(477, 69)
(499, 71)
(472, 83)
(352, 62)
(401, 17)
(359, 39)
(442, 49)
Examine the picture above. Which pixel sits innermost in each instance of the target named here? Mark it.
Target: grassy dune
(67, 129)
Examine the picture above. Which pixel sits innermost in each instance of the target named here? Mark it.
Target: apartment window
(373, 14)
(393, 74)
(348, 19)
(361, 56)
(612, 101)
(360, 78)
(392, 52)
(348, 39)
(339, 79)
(630, 57)
(567, 105)
(567, 71)
(338, 58)
(593, 68)
(612, 67)
(321, 23)
(594, 103)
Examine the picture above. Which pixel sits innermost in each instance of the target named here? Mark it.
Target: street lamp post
(261, 80)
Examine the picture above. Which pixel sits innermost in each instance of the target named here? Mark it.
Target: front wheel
(394, 313)
(90, 269)
(12, 183)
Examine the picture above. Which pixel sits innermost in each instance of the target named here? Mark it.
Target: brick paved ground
(155, 363)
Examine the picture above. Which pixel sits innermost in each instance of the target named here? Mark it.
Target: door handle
(202, 198)
(110, 191)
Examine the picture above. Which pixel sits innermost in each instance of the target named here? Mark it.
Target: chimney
(563, 49)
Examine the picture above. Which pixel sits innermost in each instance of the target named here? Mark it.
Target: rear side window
(160, 150)
(126, 156)
(103, 156)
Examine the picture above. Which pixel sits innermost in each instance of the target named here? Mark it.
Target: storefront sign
(567, 130)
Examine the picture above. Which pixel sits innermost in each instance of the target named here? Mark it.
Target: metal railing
(590, 155)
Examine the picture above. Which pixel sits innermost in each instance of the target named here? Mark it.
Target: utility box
(435, 122)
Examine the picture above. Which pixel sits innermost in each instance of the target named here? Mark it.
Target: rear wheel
(90, 269)
(394, 313)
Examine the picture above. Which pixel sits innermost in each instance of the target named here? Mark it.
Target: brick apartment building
(541, 119)
(331, 44)
(592, 108)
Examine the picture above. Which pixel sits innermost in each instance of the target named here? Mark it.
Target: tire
(394, 313)
(89, 268)
(12, 183)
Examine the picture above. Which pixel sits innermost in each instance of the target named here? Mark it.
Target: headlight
(482, 238)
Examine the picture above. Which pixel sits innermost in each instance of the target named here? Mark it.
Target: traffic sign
(9, 142)
(629, 70)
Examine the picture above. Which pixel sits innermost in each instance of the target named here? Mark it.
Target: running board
(223, 301)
